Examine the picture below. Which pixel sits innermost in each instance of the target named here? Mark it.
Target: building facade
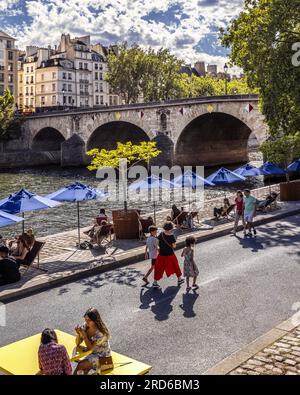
(8, 64)
(71, 75)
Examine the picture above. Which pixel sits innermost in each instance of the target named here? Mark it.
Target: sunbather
(262, 205)
(221, 211)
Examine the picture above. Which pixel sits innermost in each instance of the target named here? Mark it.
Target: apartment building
(8, 64)
(55, 84)
(70, 75)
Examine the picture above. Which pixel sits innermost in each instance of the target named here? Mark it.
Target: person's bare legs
(145, 278)
(85, 366)
(188, 284)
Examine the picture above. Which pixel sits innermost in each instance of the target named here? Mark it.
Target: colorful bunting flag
(210, 108)
(249, 108)
(118, 116)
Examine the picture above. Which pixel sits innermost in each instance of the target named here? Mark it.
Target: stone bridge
(198, 131)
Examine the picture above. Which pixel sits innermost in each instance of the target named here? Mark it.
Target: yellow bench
(21, 357)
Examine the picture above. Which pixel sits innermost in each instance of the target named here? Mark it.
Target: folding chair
(32, 255)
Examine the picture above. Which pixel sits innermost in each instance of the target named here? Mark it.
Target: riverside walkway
(65, 263)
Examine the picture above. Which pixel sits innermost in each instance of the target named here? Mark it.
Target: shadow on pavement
(158, 301)
(188, 301)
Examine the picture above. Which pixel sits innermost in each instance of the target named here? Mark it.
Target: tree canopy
(9, 121)
(262, 39)
(135, 71)
(193, 86)
(134, 153)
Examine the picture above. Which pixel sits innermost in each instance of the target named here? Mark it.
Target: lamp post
(226, 70)
(63, 92)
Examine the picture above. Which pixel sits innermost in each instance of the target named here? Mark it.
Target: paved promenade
(247, 286)
(63, 262)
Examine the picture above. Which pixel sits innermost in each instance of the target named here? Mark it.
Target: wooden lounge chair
(103, 237)
(195, 214)
(179, 220)
(228, 212)
(145, 223)
(32, 255)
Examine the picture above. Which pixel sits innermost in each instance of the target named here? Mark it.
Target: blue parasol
(294, 167)
(8, 219)
(152, 182)
(76, 192)
(23, 201)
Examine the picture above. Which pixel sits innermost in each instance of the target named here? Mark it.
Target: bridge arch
(47, 139)
(213, 138)
(108, 134)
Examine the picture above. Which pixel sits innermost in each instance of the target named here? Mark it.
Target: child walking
(190, 268)
(151, 250)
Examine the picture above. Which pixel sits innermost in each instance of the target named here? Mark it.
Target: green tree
(193, 86)
(134, 153)
(9, 122)
(261, 39)
(135, 71)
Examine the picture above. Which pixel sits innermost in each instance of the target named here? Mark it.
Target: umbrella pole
(23, 223)
(154, 214)
(78, 224)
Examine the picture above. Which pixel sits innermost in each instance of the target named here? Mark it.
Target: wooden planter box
(290, 191)
(126, 224)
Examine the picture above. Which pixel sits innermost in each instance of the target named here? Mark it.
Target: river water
(64, 217)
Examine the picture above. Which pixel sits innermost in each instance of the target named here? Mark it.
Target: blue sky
(189, 28)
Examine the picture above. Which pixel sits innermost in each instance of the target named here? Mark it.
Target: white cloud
(111, 21)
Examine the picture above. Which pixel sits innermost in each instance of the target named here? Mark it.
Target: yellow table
(21, 357)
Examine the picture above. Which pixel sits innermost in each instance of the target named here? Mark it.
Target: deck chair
(195, 214)
(103, 236)
(179, 220)
(32, 255)
(145, 223)
(228, 213)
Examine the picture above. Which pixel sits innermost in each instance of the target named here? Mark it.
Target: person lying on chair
(221, 211)
(262, 205)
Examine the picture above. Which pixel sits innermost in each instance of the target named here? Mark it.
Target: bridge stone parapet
(207, 131)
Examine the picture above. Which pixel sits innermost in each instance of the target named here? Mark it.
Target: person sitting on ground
(221, 211)
(95, 335)
(53, 357)
(23, 251)
(9, 269)
(2, 241)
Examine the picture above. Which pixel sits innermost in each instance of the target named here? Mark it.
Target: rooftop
(5, 35)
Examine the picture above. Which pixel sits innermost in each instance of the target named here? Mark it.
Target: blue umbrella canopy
(76, 192)
(270, 168)
(295, 166)
(191, 179)
(248, 170)
(224, 176)
(152, 182)
(23, 201)
(8, 219)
